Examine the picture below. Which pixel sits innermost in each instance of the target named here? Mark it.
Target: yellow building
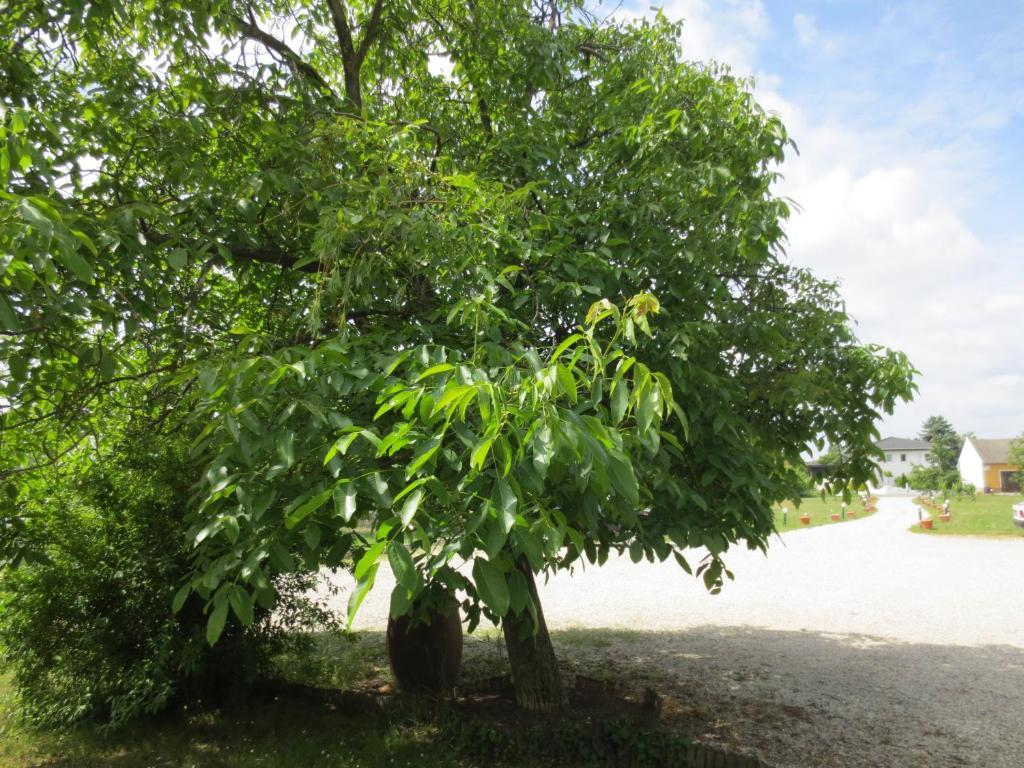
(985, 464)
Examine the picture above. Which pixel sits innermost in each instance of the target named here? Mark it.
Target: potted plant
(926, 523)
(805, 518)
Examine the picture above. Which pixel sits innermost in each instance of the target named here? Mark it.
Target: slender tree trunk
(535, 677)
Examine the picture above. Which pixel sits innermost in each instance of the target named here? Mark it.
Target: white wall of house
(900, 462)
(972, 468)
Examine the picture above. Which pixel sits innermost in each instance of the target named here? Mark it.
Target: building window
(903, 457)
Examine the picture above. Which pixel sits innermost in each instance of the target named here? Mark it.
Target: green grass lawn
(819, 509)
(981, 516)
(277, 734)
(348, 720)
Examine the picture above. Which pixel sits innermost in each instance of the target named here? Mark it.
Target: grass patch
(351, 722)
(593, 639)
(820, 510)
(281, 733)
(984, 515)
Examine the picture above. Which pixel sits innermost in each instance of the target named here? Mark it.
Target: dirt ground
(850, 645)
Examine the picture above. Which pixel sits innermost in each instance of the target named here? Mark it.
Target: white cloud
(726, 31)
(885, 214)
(810, 36)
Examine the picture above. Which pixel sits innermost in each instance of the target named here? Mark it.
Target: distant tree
(946, 443)
(1016, 456)
(831, 456)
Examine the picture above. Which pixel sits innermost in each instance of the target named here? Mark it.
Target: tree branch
(352, 57)
(51, 460)
(371, 32)
(299, 65)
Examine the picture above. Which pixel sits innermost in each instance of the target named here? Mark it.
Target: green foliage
(946, 444)
(537, 309)
(90, 632)
(931, 478)
(1016, 456)
(808, 485)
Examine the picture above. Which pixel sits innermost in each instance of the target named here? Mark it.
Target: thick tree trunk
(535, 676)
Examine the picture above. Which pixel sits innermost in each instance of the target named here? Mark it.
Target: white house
(986, 465)
(901, 456)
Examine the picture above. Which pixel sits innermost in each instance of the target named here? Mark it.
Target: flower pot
(835, 517)
(805, 519)
(426, 655)
(927, 523)
(851, 513)
(945, 517)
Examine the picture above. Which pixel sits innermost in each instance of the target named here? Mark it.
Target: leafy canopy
(528, 306)
(946, 443)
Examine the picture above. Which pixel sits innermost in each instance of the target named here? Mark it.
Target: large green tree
(946, 443)
(478, 290)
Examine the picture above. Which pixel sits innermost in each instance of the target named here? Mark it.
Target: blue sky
(909, 117)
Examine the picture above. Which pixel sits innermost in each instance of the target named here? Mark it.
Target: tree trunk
(535, 676)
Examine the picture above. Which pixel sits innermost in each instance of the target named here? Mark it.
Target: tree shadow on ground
(818, 699)
(791, 698)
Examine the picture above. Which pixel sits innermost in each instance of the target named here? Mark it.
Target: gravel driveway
(859, 644)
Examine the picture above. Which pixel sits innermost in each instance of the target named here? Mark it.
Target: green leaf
(215, 624)
(177, 258)
(345, 501)
(565, 345)
(528, 543)
(543, 449)
(449, 398)
(359, 594)
(241, 603)
(308, 508)
(645, 408)
(368, 560)
(683, 563)
(8, 319)
(79, 266)
(490, 583)
(620, 400)
(281, 558)
(519, 592)
(434, 370)
(494, 538)
(396, 361)
(180, 597)
(479, 455)
(286, 447)
(410, 506)
(401, 601)
(341, 445)
(423, 455)
(636, 551)
(505, 502)
(412, 487)
(402, 565)
(623, 479)
(567, 383)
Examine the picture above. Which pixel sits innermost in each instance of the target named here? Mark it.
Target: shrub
(88, 631)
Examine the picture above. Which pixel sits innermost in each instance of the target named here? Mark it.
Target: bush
(922, 478)
(89, 632)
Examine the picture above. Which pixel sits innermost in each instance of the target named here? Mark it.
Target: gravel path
(857, 644)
